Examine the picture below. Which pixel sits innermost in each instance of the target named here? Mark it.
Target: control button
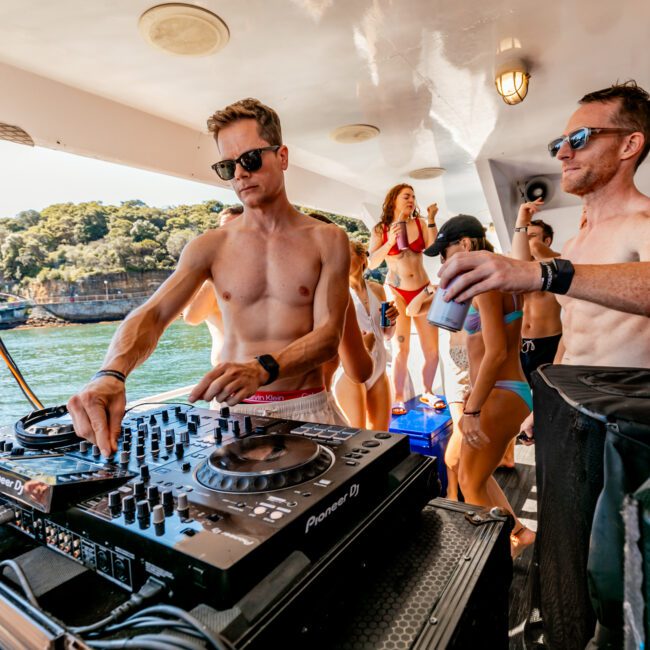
(241, 504)
(169, 438)
(214, 517)
(83, 446)
(276, 514)
(292, 504)
(153, 494)
(152, 419)
(218, 436)
(235, 428)
(196, 418)
(180, 451)
(144, 472)
(192, 427)
(182, 505)
(114, 500)
(356, 450)
(155, 446)
(185, 466)
(382, 435)
(124, 459)
(351, 462)
(248, 423)
(95, 450)
(224, 412)
(143, 510)
(165, 416)
(138, 490)
(364, 451)
(139, 451)
(18, 451)
(259, 510)
(370, 443)
(158, 515)
(185, 438)
(190, 532)
(167, 499)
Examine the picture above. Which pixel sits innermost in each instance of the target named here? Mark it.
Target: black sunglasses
(578, 139)
(251, 161)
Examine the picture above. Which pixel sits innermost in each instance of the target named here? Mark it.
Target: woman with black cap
(499, 396)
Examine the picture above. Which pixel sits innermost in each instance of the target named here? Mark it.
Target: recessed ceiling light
(425, 173)
(353, 133)
(183, 29)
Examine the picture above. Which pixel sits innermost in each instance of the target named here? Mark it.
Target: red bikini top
(417, 246)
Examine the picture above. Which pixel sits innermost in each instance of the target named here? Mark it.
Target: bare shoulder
(377, 289)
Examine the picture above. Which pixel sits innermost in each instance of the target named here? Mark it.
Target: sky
(31, 178)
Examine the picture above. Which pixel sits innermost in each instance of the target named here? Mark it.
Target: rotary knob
(182, 505)
(83, 446)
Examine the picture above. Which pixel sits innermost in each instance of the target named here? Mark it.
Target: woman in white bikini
(367, 404)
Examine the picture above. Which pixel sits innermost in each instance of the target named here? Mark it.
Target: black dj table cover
(592, 431)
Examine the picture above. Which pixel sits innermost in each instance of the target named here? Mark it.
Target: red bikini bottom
(406, 294)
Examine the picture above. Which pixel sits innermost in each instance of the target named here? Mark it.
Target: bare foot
(520, 541)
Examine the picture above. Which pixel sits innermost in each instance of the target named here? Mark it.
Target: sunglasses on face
(579, 138)
(251, 161)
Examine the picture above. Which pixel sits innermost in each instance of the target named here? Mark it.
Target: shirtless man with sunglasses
(281, 282)
(606, 301)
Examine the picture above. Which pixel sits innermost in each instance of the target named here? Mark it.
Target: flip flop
(399, 408)
(433, 401)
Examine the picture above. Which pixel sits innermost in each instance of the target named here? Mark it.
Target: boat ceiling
(77, 75)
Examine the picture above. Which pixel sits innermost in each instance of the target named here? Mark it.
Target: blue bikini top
(473, 321)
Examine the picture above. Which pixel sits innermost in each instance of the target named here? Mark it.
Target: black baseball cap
(454, 230)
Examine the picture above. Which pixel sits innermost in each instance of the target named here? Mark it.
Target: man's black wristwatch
(271, 366)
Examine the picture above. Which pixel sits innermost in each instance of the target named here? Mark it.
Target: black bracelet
(521, 229)
(473, 414)
(110, 373)
(431, 225)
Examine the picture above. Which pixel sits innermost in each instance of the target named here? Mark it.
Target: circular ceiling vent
(426, 173)
(353, 133)
(184, 29)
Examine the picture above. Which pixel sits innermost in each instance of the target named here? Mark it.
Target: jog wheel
(264, 463)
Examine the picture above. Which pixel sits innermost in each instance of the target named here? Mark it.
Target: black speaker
(592, 434)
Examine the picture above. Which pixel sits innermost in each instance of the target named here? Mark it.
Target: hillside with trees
(69, 242)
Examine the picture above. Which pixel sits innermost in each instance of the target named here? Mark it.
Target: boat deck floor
(519, 486)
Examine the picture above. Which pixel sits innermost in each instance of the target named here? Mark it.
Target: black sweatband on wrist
(431, 225)
(557, 275)
(562, 277)
(110, 373)
(547, 275)
(474, 414)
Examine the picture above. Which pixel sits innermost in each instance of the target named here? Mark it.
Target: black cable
(135, 406)
(22, 578)
(162, 641)
(217, 642)
(136, 622)
(18, 376)
(150, 589)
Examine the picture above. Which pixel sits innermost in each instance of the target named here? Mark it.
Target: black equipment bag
(592, 433)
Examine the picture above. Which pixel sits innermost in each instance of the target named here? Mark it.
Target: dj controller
(207, 502)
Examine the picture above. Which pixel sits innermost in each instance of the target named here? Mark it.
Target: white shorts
(320, 408)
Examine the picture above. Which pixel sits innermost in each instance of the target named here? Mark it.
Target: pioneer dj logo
(314, 520)
(12, 484)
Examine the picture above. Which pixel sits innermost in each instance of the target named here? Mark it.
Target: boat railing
(99, 297)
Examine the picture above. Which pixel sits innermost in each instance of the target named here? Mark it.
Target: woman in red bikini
(406, 278)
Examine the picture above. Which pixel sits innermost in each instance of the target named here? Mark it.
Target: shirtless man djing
(541, 327)
(606, 296)
(281, 280)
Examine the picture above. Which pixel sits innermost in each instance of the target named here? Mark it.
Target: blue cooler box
(428, 431)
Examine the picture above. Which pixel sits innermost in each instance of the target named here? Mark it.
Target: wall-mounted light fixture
(512, 82)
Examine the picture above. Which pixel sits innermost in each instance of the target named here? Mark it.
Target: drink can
(402, 236)
(448, 315)
(385, 321)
